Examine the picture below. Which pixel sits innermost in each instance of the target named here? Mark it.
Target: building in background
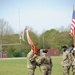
(51, 52)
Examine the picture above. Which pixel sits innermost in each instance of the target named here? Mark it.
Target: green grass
(19, 67)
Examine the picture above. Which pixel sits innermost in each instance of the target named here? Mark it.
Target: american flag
(72, 30)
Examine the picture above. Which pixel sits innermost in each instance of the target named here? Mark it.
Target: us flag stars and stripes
(72, 29)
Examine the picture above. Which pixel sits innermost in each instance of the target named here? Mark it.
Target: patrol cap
(45, 51)
(64, 46)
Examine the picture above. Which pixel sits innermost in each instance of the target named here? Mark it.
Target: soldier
(73, 59)
(45, 63)
(31, 64)
(71, 55)
(65, 61)
(71, 50)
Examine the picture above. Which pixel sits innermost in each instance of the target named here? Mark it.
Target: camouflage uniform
(66, 62)
(73, 62)
(31, 64)
(45, 64)
(71, 55)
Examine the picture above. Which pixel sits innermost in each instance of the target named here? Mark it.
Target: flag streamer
(29, 40)
(22, 35)
(31, 43)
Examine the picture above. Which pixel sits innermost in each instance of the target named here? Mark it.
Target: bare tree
(5, 31)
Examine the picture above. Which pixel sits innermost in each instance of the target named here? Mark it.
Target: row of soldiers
(44, 62)
(68, 60)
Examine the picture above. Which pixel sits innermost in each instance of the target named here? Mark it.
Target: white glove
(73, 48)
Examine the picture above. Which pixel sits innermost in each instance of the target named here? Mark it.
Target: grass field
(19, 67)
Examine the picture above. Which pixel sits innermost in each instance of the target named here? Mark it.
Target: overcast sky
(40, 15)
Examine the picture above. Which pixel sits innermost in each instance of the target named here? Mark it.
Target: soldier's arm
(65, 56)
(70, 57)
(39, 60)
(51, 64)
(31, 57)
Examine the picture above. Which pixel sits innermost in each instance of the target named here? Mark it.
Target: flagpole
(74, 36)
(19, 17)
(43, 42)
(74, 39)
(19, 21)
(74, 45)
(73, 7)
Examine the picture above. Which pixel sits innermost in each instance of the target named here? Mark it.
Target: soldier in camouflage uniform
(31, 64)
(65, 61)
(73, 59)
(45, 63)
(71, 55)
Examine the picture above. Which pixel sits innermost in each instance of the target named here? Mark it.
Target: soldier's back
(30, 62)
(46, 65)
(66, 59)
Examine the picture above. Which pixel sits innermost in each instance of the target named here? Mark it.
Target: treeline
(49, 39)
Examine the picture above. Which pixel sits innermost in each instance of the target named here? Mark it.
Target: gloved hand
(35, 56)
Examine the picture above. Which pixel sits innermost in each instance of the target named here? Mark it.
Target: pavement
(24, 58)
(12, 58)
